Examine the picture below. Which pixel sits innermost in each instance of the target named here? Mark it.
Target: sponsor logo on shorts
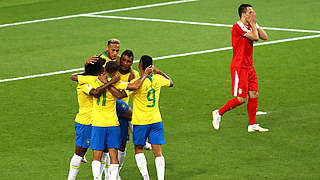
(240, 91)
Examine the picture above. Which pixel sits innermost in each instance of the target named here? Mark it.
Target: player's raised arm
(262, 34)
(91, 60)
(136, 84)
(251, 19)
(74, 77)
(132, 74)
(157, 71)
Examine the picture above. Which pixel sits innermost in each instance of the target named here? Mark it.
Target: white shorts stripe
(236, 84)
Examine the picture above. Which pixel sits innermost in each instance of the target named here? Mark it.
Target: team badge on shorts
(88, 142)
(240, 91)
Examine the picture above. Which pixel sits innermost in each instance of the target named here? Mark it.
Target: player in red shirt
(243, 74)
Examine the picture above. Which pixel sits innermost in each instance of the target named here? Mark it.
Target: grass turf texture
(37, 115)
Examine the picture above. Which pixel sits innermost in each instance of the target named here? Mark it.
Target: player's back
(146, 100)
(85, 100)
(242, 46)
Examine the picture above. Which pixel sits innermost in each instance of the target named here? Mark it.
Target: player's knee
(138, 149)
(157, 153)
(254, 94)
(80, 151)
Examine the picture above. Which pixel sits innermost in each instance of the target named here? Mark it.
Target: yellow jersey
(104, 56)
(146, 100)
(104, 113)
(85, 100)
(125, 78)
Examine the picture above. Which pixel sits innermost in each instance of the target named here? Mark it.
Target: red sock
(232, 103)
(252, 110)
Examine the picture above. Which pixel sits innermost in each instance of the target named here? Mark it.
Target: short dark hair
(94, 67)
(146, 61)
(112, 66)
(128, 53)
(243, 9)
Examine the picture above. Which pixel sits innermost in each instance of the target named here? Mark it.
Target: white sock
(103, 163)
(160, 166)
(74, 167)
(96, 169)
(106, 169)
(114, 171)
(142, 165)
(121, 156)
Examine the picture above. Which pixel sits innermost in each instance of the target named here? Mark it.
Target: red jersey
(242, 46)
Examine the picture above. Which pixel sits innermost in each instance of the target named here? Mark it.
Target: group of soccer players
(103, 121)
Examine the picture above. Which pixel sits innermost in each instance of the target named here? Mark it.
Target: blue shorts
(122, 107)
(124, 129)
(154, 132)
(102, 137)
(83, 135)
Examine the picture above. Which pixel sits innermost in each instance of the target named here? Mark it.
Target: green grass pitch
(36, 121)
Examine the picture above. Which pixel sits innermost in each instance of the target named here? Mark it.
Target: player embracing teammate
(107, 79)
(243, 74)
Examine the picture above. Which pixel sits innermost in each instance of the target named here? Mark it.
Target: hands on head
(252, 18)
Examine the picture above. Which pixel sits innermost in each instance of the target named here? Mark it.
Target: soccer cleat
(216, 118)
(256, 128)
(147, 146)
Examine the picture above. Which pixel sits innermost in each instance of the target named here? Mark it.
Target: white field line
(99, 12)
(194, 23)
(145, 6)
(42, 75)
(164, 57)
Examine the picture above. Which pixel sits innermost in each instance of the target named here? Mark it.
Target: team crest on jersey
(89, 86)
(240, 91)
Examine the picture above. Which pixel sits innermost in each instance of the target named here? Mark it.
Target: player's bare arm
(74, 77)
(262, 34)
(117, 93)
(97, 92)
(136, 85)
(91, 60)
(132, 75)
(114, 91)
(251, 19)
(157, 71)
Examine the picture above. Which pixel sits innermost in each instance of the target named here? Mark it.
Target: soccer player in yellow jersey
(112, 51)
(105, 124)
(146, 118)
(124, 112)
(83, 119)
